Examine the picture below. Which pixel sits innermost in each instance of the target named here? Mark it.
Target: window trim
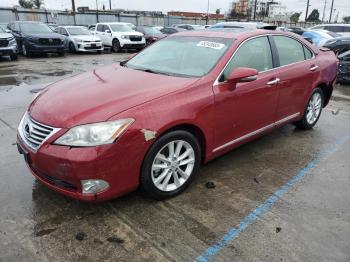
(274, 53)
(239, 47)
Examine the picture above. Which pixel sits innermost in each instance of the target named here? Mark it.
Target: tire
(165, 170)
(25, 52)
(72, 48)
(14, 57)
(312, 111)
(116, 45)
(99, 52)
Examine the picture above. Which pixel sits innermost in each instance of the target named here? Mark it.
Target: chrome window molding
(260, 130)
(261, 72)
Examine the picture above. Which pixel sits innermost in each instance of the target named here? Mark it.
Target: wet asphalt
(310, 222)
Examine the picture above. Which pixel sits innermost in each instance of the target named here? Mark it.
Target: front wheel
(14, 57)
(72, 48)
(170, 165)
(116, 45)
(25, 52)
(312, 111)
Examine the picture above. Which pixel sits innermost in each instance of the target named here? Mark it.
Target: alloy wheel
(314, 108)
(173, 165)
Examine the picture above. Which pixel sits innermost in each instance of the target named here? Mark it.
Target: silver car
(8, 45)
(80, 39)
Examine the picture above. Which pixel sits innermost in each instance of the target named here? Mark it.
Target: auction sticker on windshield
(213, 45)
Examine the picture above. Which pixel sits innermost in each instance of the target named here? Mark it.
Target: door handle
(314, 68)
(273, 82)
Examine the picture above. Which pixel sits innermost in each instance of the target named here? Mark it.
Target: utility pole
(73, 9)
(110, 4)
(208, 11)
(330, 15)
(324, 10)
(307, 9)
(97, 12)
(254, 15)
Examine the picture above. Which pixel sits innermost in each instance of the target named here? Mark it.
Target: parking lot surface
(283, 197)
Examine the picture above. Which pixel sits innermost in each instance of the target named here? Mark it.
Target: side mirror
(242, 74)
(108, 31)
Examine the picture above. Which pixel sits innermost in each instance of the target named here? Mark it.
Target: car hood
(130, 33)
(86, 37)
(98, 95)
(5, 35)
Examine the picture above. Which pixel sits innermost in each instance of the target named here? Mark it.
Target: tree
(25, 4)
(37, 3)
(218, 11)
(346, 19)
(314, 16)
(295, 17)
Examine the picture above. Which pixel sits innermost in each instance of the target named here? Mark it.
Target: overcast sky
(343, 6)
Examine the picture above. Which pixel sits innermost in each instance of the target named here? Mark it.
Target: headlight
(12, 41)
(78, 40)
(125, 37)
(94, 134)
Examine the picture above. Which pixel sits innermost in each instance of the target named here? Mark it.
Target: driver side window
(255, 53)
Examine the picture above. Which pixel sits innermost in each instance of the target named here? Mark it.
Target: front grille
(92, 47)
(50, 41)
(135, 38)
(4, 42)
(33, 133)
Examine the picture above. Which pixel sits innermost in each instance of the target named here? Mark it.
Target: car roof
(233, 34)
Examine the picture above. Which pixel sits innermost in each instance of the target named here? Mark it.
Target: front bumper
(89, 47)
(35, 48)
(9, 50)
(126, 43)
(62, 168)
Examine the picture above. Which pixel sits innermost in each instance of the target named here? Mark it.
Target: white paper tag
(212, 45)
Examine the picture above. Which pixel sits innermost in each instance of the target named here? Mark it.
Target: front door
(248, 108)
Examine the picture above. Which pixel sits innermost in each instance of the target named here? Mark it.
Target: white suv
(119, 36)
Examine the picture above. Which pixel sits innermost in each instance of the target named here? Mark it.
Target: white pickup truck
(119, 36)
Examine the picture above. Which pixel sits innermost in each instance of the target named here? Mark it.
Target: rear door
(296, 73)
(248, 108)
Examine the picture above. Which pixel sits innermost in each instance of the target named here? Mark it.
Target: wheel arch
(327, 90)
(194, 130)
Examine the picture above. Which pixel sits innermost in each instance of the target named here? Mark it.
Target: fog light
(94, 186)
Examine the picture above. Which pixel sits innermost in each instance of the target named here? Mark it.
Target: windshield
(151, 30)
(120, 28)
(332, 34)
(78, 31)
(34, 28)
(181, 56)
(2, 30)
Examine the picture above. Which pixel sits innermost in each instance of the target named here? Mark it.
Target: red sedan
(152, 121)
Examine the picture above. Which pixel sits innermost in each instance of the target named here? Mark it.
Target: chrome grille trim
(34, 133)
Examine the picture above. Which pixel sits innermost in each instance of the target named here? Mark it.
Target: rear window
(289, 50)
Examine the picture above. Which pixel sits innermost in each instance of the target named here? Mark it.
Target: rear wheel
(312, 111)
(115, 45)
(170, 165)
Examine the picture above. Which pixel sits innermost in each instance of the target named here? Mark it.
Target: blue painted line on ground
(263, 208)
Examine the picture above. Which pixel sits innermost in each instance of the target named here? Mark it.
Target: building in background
(195, 15)
(278, 12)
